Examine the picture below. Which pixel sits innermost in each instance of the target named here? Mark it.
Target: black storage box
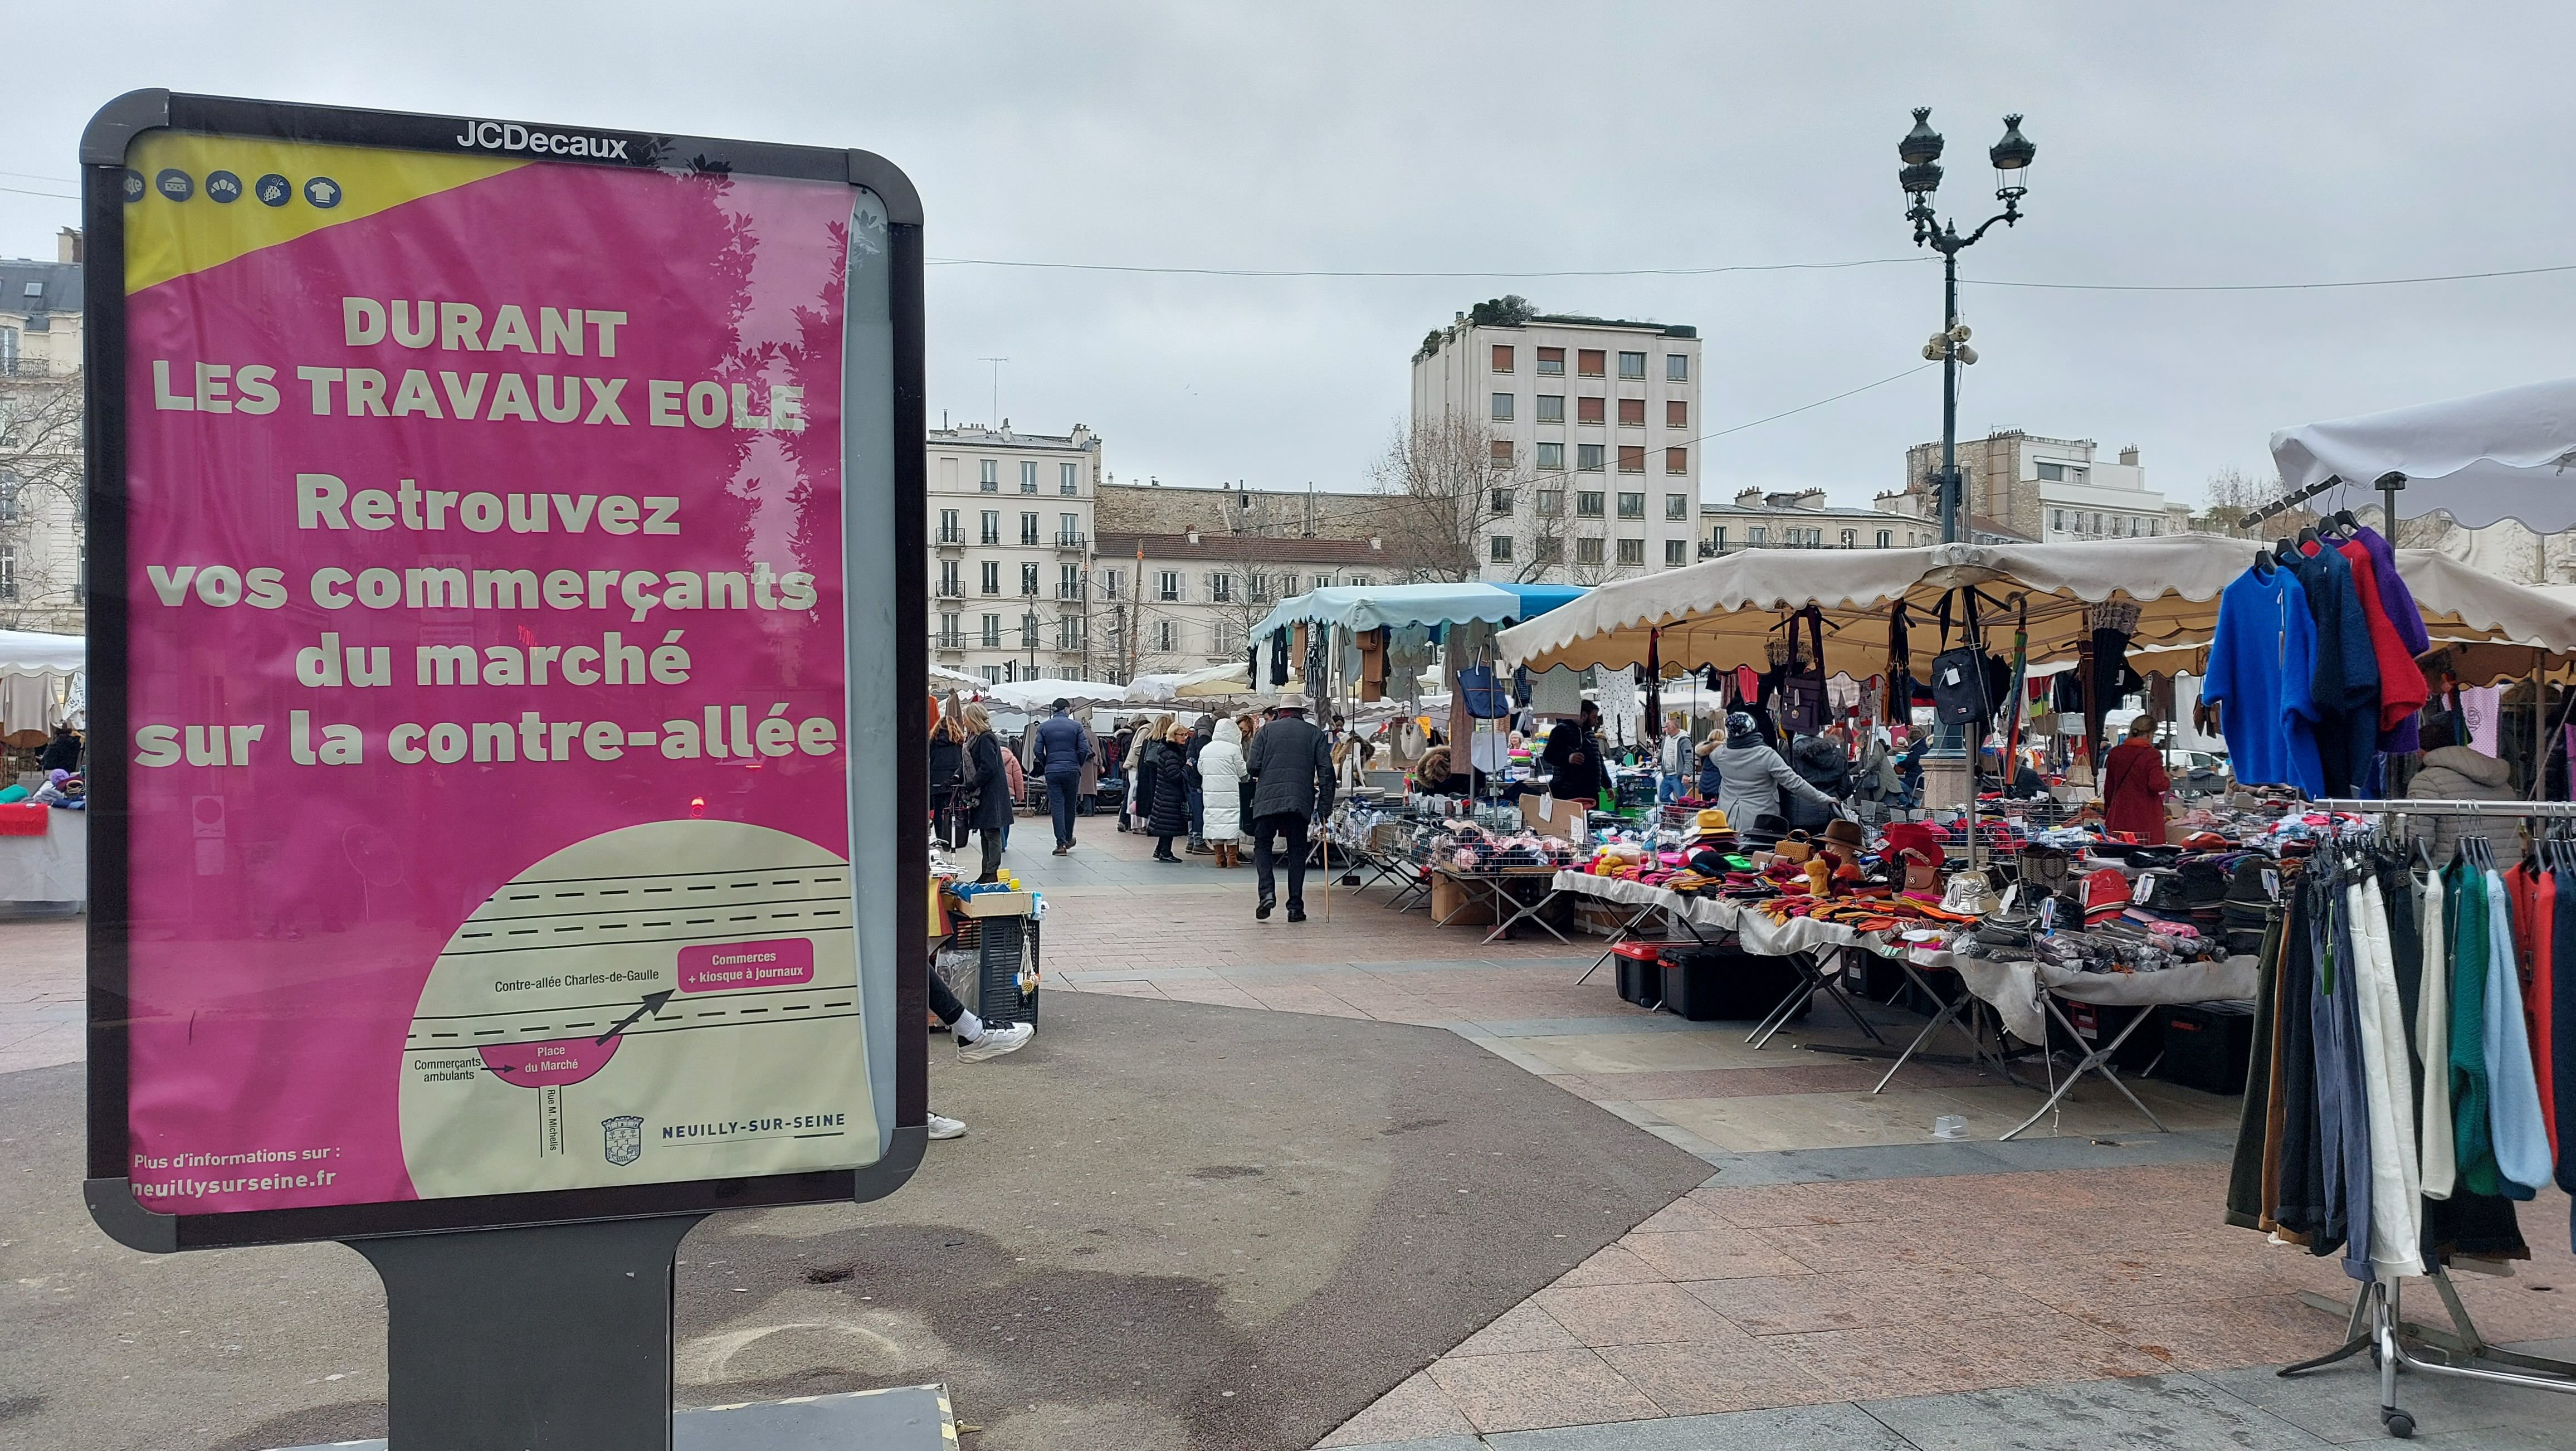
(2208, 1045)
(1703, 983)
(1641, 973)
(2099, 1023)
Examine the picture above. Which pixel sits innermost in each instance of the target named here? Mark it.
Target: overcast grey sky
(2177, 145)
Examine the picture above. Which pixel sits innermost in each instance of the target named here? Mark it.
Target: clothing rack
(2388, 485)
(2376, 1321)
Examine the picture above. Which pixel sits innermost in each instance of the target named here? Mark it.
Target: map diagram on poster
(484, 592)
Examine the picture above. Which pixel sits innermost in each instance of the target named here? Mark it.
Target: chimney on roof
(1194, 536)
(2129, 455)
(67, 245)
(1374, 546)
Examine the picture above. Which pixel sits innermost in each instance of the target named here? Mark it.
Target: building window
(1632, 506)
(952, 636)
(1498, 548)
(1168, 586)
(1676, 551)
(1551, 362)
(2057, 520)
(1632, 412)
(1501, 500)
(1886, 537)
(1632, 458)
(1068, 581)
(1502, 408)
(1676, 460)
(1029, 580)
(1757, 535)
(1632, 365)
(1587, 504)
(1551, 457)
(1551, 408)
(1502, 357)
(1499, 452)
(1717, 538)
(1111, 583)
(1676, 368)
(2053, 473)
(1221, 589)
(1068, 529)
(988, 475)
(1588, 410)
(2155, 528)
(1851, 538)
(1587, 458)
(949, 588)
(1587, 551)
(1551, 503)
(1677, 506)
(1547, 549)
(992, 632)
(1633, 551)
(1028, 526)
(1323, 581)
(1068, 478)
(950, 530)
(992, 526)
(1590, 362)
(1029, 630)
(1068, 632)
(1167, 636)
(1229, 637)
(1028, 476)
(992, 577)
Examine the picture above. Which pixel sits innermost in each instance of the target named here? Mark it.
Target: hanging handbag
(1959, 678)
(1485, 696)
(1804, 709)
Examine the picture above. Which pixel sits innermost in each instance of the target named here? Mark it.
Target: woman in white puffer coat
(1221, 771)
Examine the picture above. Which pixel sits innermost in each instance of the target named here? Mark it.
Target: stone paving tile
(1828, 1427)
(1530, 1389)
(1607, 1315)
(1526, 1326)
(1415, 1410)
(2147, 1412)
(1694, 1377)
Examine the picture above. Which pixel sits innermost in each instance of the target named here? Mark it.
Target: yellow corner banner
(196, 201)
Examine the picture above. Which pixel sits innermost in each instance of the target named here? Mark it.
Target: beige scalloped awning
(1725, 612)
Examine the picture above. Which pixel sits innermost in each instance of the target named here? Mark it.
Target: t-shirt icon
(175, 184)
(322, 192)
(273, 190)
(223, 186)
(135, 186)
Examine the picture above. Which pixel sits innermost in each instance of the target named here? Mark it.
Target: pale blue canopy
(1367, 607)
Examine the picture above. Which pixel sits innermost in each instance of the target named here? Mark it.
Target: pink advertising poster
(486, 702)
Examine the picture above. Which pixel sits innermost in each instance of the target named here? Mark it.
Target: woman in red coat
(2134, 784)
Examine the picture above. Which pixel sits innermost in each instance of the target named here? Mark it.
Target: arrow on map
(652, 1008)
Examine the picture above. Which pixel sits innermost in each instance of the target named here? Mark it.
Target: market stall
(44, 849)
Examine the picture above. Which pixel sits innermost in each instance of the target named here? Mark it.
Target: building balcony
(1069, 595)
(949, 644)
(25, 367)
(948, 591)
(948, 541)
(992, 539)
(1071, 543)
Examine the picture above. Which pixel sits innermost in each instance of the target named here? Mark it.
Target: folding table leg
(1626, 932)
(2097, 1061)
(1949, 1013)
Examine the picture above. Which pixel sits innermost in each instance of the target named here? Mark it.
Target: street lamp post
(1921, 176)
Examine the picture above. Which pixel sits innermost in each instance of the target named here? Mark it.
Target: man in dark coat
(1064, 747)
(1573, 757)
(990, 780)
(62, 753)
(1291, 764)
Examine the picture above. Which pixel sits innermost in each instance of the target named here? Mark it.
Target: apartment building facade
(1804, 520)
(1589, 427)
(1179, 601)
(1010, 550)
(2033, 487)
(44, 559)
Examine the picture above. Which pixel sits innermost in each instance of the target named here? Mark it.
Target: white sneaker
(996, 1042)
(947, 1128)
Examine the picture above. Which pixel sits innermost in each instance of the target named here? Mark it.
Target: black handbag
(1804, 708)
(1962, 681)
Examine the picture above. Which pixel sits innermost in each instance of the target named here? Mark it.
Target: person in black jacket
(1175, 778)
(990, 783)
(62, 753)
(947, 762)
(1573, 757)
(1291, 764)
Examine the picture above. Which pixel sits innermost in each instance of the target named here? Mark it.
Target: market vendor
(1755, 776)
(1432, 776)
(1573, 757)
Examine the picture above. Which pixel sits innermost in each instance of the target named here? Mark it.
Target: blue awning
(1368, 607)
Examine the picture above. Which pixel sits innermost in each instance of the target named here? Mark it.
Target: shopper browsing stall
(1755, 778)
(2134, 785)
(1573, 757)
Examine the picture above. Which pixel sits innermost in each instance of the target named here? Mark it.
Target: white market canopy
(1204, 684)
(1370, 607)
(1035, 695)
(955, 679)
(2509, 454)
(1724, 612)
(30, 652)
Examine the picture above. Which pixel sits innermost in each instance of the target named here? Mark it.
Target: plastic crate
(1641, 972)
(993, 965)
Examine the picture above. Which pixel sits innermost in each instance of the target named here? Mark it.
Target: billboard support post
(553, 1337)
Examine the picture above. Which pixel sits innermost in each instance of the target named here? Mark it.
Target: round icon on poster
(273, 190)
(175, 184)
(223, 186)
(322, 192)
(135, 186)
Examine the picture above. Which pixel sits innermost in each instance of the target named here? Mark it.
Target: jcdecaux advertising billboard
(504, 787)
